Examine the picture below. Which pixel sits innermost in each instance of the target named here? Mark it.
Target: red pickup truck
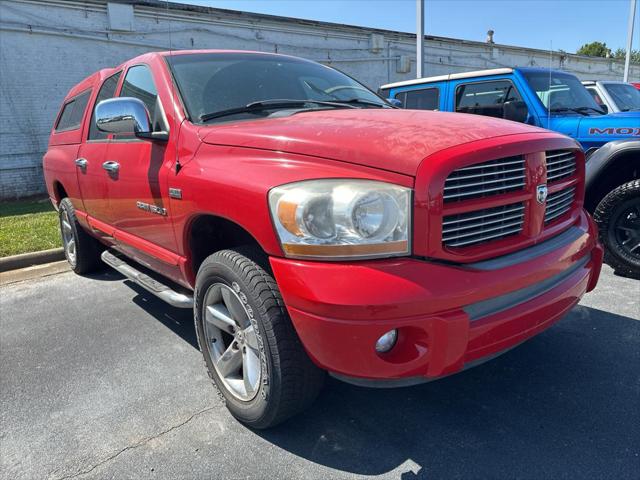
(314, 228)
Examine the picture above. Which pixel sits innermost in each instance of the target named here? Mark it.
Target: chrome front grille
(559, 203)
(560, 164)
(480, 226)
(483, 179)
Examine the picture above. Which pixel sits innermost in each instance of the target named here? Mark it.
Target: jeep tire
(618, 219)
(250, 348)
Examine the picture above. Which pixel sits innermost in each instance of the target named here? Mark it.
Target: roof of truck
(594, 82)
(476, 73)
(450, 76)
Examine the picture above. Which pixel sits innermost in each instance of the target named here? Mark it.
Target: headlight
(338, 219)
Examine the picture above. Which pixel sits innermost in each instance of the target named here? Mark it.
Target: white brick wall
(48, 46)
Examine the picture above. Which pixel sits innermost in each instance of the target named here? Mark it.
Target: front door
(138, 182)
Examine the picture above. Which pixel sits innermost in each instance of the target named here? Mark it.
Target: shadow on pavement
(563, 405)
(178, 320)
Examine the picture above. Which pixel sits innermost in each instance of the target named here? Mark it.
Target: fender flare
(605, 155)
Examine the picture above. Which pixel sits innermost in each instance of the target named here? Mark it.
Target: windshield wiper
(360, 101)
(580, 110)
(567, 109)
(270, 104)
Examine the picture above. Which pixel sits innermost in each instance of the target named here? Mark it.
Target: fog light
(387, 341)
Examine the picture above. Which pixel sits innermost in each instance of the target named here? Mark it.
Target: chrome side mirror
(123, 115)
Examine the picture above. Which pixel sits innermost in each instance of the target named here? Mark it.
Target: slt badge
(151, 208)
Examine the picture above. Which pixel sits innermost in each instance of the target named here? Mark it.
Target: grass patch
(28, 226)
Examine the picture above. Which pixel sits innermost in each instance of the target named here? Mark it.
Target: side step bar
(160, 290)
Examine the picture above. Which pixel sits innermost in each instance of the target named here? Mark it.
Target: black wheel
(81, 249)
(618, 218)
(250, 348)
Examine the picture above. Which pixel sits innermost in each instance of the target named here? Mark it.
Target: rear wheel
(250, 348)
(81, 249)
(618, 218)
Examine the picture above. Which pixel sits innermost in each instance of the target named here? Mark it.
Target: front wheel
(618, 219)
(250, 348)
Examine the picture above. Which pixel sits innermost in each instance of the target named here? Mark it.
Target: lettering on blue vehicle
(615, 131)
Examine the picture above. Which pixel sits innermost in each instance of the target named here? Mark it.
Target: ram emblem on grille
(541, 193)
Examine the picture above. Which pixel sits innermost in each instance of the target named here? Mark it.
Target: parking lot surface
(101, 380)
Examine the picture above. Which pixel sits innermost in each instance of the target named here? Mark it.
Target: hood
(629, 114)
(615, 126)
(391, 139)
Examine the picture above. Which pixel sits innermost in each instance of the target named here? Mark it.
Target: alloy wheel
(232, 341)
(68, 237)
(626, 228)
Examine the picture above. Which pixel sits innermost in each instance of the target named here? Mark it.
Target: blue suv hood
(634, 113)
(595, 131)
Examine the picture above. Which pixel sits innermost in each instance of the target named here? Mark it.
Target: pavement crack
(133, 446)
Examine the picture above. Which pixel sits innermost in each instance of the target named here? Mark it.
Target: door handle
(81, 162)
(111, 166)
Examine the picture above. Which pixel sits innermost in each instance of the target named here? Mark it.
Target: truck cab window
(422, 99)
(138, 83)
(486, 98)
(107, 91)
(72, 113)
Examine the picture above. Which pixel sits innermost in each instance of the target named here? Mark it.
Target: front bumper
(448, 316)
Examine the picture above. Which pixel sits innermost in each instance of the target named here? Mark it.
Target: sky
(560, 24)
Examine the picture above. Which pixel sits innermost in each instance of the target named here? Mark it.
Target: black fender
(598, 161)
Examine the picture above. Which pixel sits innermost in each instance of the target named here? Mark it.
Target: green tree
(594, 49)
(621, 53)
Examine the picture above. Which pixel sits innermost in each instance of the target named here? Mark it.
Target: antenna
(549, 89)
(166, 3)
(172, 86)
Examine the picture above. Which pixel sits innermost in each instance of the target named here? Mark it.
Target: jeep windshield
(562, 93)
(239, 86)
(625, 96)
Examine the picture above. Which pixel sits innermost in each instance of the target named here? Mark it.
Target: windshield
(216, 82)
(561, 92)
(626, 96)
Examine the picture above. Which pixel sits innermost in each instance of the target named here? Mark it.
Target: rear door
(66, 136)
(92, 177)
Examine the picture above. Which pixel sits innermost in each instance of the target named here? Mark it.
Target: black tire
(86, 255)
(618, 219)
(289, 381)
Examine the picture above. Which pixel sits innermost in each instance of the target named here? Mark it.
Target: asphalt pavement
(99, 379)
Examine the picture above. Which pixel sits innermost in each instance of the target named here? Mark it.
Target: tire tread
(602, 215)
(88, 249)
(299, 380)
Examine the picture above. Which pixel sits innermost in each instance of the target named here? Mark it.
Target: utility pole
(627, 60)
(420, 38)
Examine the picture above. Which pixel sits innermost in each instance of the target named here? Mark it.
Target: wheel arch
(611, 166)
(207, 233)
(59, 192)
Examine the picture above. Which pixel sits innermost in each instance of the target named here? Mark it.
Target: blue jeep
(558, 101)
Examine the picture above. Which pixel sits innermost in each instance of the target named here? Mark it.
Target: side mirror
(516, 111)
(604, 108)
(395, 102)
(126, 116)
